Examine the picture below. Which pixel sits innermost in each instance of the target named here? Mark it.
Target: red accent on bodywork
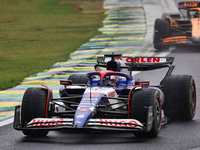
(84, 109)
(142, 83)
(121, 123)
(47, 102)
(65, 82)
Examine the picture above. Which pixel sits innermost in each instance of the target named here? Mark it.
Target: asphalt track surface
(173, 136)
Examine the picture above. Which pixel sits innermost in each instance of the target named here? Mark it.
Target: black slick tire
(161, 31)
(180, 97)
(78, 78)
(34, 104)
(140, 99)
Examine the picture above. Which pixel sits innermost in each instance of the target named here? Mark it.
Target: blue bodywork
(97, 91)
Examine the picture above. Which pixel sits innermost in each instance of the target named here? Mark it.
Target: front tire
(180, 97)
(34, 104)
(146, 97)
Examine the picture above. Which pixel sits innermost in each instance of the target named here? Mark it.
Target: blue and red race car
(110, 100)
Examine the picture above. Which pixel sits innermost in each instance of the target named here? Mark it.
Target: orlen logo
(120, 123)
(142, 59)
(147, 60)
(37, 122)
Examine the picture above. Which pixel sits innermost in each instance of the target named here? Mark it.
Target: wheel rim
(158, 114)
(193, 99)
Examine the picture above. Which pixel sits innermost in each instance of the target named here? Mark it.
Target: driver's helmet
(110, 80)
(106, 81)
(114, 80)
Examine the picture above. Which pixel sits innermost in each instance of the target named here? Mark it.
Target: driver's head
(110, 80)
(106, 81)
(113, 80)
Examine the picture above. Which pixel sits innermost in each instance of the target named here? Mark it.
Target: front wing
(92, 124)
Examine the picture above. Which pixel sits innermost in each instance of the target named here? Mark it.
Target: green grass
(35, 34)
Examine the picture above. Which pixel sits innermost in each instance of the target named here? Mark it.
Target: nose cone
(81, 117)
(89, 101)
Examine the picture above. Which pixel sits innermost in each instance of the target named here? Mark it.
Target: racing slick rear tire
(180, 97)
(34, 104)
(78, 78)
(161, 31)
(141, 99)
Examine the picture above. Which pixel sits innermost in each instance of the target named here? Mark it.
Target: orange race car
(176, 28)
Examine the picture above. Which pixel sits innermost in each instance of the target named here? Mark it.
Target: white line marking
(6, 122)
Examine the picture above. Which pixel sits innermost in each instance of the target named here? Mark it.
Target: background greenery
(35, 34)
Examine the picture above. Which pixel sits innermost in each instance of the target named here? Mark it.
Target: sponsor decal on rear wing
(143, 60)
(188, 4)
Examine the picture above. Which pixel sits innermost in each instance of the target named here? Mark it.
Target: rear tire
(34, 106)
(145, 98)
(78, 78)
(180, 97)
(161, 31)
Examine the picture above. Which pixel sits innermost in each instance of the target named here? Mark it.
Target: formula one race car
(109, 100)
(176, 28)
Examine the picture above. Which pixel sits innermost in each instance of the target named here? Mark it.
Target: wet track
(173, 136)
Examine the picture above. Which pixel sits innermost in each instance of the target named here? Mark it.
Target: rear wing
(116, 62)
(188, 4)
(133, 63)
(143, 61)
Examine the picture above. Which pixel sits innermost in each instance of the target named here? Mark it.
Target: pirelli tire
(35, 103)
(161, 31)
(180, 97)
(78, 78)
(140, 100)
